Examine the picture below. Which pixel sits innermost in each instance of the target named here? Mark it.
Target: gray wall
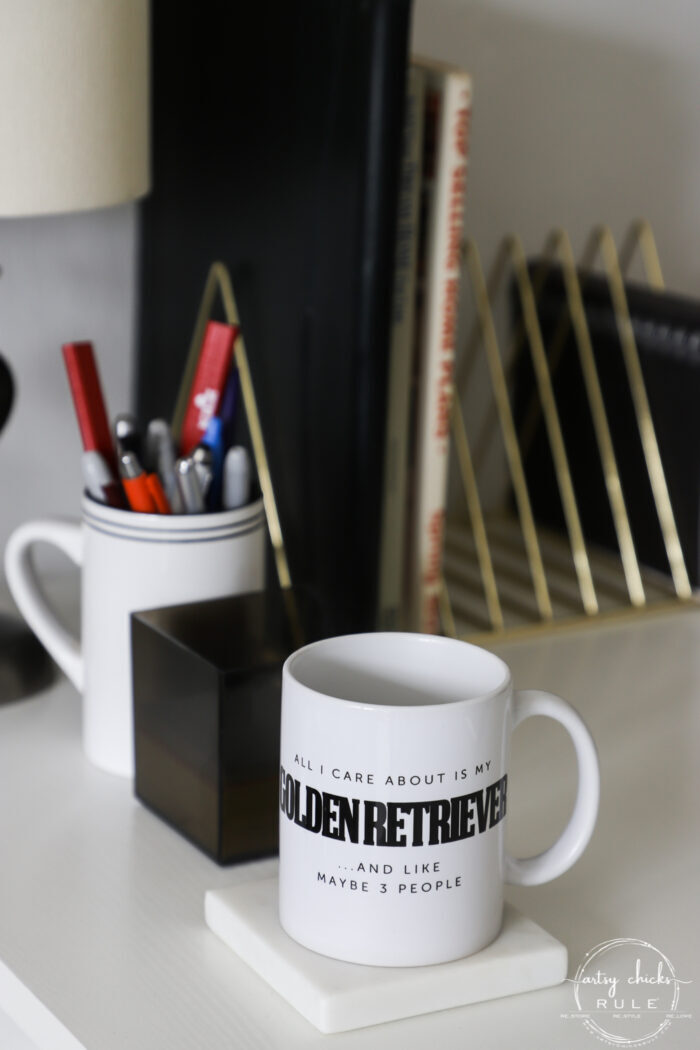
(64, 278)
(583, 113)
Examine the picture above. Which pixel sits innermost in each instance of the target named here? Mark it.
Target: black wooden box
(207, 682)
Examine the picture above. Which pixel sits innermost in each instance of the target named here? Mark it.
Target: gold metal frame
(642, 591)
(219, 281)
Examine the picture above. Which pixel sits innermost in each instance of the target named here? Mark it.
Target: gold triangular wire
(543, 380)
(500, 391)
(481, 542)
(639, 239)
(601, 242)
(219, 280)
(558, 246)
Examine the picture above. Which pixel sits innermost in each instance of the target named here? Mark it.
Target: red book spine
(213, 366)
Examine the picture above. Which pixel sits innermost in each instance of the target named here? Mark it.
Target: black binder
(667, 333)
(277, 135)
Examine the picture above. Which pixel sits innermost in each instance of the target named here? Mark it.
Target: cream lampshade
(74, 114)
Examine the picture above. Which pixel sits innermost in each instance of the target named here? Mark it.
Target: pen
(100, 482)
(203, 460)
(190, 488)
(86, 391)
(127, 435)
(160, 457)
(236, 478)
(156, 490)
(135, 484)
(229, 404)
(213, 441)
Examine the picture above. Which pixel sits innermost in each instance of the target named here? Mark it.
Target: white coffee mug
(393, 794)
(129, 562)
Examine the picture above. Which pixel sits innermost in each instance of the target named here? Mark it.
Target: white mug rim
(504, 686)
(145, 524)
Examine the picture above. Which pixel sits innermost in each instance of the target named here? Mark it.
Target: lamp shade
(74, 106)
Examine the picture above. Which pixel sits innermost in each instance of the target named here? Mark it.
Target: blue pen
(228, 406)
(214, 440)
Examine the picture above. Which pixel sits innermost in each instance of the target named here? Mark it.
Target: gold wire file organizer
(504, 574)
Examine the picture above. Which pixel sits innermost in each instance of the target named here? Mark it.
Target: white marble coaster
(338, 996)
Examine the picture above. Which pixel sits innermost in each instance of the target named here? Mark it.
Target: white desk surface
(103, 944)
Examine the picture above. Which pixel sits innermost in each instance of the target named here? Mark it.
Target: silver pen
(190, 487)
(203, 460)
(237, 478)
(160, 457)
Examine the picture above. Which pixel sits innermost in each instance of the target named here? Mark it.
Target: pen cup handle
(24, 586)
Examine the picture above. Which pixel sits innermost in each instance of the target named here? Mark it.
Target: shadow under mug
(393, 796)
(130, 562)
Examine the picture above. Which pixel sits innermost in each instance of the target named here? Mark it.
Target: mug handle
(24, 586)
(531, 871)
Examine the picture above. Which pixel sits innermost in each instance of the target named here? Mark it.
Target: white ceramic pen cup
(129, 562)
(393, 797)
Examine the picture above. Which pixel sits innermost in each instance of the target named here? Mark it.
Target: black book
(667, 333)
(277, 138)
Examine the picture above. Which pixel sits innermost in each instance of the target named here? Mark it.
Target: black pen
(127, 435)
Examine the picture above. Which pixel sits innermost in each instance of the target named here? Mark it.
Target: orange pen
(156, 490)
(135, 483)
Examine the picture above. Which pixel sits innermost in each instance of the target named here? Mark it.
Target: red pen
(99, 481)
(210, 378)
(89, 402)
